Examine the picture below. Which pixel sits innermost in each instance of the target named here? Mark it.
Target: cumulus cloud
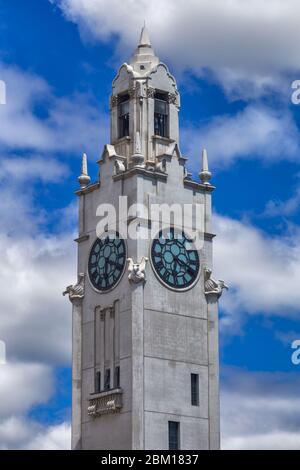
(275, 207)
(255, 132)
(33, 381)
(26, 169)
(23, 434)
(260, 410)
(24, 385)
(35, 319)
(223, 36)
(264, 276)
(71, 124)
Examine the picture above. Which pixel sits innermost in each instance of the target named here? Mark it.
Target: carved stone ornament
(76, 292)
(150, 92)
(211, 286)
(119, 167)
(114, 99)
(132, 92)
(137, 270)
(172, 98)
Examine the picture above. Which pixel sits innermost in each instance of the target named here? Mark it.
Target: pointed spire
(144, 58)
(144, 37)
(84, 178)
(205, 174)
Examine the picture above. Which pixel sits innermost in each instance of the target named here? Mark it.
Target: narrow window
(117, 377)
(107, 379)
(97, 381)
(123, 116)
(174, 431)
(161, 112)
(195, 389)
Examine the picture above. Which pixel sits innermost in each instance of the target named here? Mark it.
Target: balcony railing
(108, 401)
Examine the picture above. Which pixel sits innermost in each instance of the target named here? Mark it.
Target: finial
(137, 157)
(144, 37)
(84, 178)
(205, 174)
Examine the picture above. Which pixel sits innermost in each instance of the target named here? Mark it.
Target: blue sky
(234, 71)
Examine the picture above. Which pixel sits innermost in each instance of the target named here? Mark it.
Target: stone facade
(153, 336)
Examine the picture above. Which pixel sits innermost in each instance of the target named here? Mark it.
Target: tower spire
(144, 58)
(205, 174)
(144, 37)
(84, 179)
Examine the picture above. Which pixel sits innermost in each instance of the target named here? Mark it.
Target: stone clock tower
(145, 308)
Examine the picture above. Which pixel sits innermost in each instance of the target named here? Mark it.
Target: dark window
(123, 116)
(174, 430)
(117, 377)
(107, 380)
(161, 112)
(195, 389)
(98, 381)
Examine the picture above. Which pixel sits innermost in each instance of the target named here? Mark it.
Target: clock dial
(107, 261)
(174, 262)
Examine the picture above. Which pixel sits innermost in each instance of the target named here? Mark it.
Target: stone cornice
(140, 171)
(199, 186)
(88, 189)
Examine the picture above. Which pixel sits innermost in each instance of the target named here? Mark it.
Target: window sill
(126, 138)
(164, 139)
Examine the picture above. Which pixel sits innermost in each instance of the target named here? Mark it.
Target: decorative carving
(137, 270)
(211, 286)
(150, 92)
(114, 100)
(161, 166)
(139, 92)
(119, 167)
(172, 98)
(132, 92)
(76, 292)
(109, 401)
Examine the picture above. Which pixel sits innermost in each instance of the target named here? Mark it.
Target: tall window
(107, 379)
(195, 389)
(123, 116)
(174, 432)
(117, 377)
(161, 112)
(97, 381)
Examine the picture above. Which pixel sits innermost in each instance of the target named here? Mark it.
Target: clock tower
(145, 353)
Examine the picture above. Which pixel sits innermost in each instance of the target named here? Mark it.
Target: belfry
(145, 308)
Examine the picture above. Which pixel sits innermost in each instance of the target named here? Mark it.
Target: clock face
(107, 261)
(175, 263)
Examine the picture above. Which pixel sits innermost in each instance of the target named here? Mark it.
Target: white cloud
(260, 410)
(22, 386)
(27, 169)
(224, 36)
(255, 132)
(72, 124)
(275, 207)
(262, 271)
(20, 433)
(56, 437)
(35, 320)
